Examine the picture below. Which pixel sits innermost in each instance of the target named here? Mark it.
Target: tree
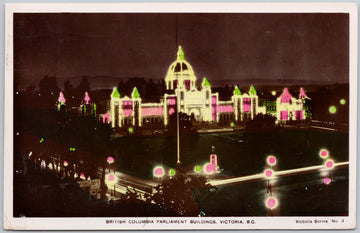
(261, 122)
(68, 87)
(185, 124)
(84, 85)
(47, 85)
(175, 194)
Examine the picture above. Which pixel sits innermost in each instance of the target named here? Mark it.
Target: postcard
(180, 116)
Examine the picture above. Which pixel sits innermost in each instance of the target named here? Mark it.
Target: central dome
(180, 72)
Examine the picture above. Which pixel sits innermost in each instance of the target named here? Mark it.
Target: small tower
(236, 99)
(254, 101)
(306, 103)
(135, 96)
(88, 108)
(115, 108)
(206, 89)
(61, 103)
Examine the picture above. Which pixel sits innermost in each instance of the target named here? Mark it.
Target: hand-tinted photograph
(180, 114)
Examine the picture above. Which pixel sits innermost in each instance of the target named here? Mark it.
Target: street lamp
(329, 164)
(271, 203)
(324, 153)
(268, 173)
(158, 172)
(110, 160)
(271, 160)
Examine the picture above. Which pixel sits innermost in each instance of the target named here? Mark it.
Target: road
(260, 176)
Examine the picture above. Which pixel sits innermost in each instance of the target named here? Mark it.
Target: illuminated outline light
(271, 160)
(158, 171)
(342, 101)
(66, 163)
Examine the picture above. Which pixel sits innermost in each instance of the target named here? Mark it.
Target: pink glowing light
(87, 98)
(209, 168)
(66, 163)
(271, 203)
(61, 97)
(224, 108)
(127, 112)
(299, 115)
(285, 97)
(171, 111)
(187, 84)
(284, 115)
(111, 177)
(213, 100)
(158, 171)
(110, 159)
(82, 176)
(127, 108)
(329, 163)
(268, 173)
(327, 180)
(324, 153)
(213, 160)
(172, 101)
(302, 93)
(152, 111)
(246, 105)
(271, 160)
(106, 118)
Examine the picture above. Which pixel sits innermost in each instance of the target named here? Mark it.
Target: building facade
(184, 94)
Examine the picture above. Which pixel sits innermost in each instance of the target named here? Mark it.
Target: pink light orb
(327, 180)
(111, 177)
(82, 176)
(271, 160)
(110, 159)
(268, 173)
(209, 168)
(158, 171)
(271, 203)
(329, 163)
(66, 163)
(324, 153)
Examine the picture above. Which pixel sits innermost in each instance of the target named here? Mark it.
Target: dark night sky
(219, 46)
